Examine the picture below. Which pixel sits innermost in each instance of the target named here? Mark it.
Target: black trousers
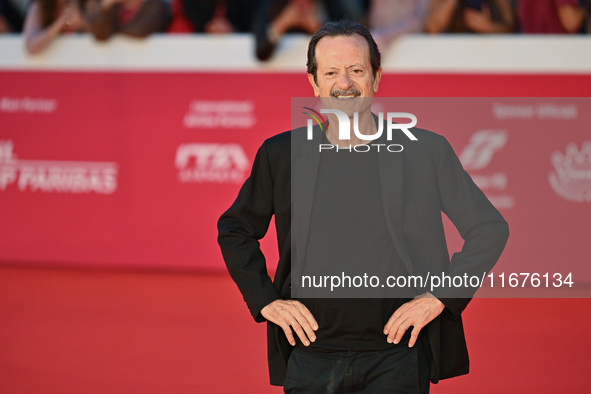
(397, 370)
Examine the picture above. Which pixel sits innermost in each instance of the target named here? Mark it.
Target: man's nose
(344, 81)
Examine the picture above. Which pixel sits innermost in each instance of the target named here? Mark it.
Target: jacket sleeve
(239, 230)
(483, 228)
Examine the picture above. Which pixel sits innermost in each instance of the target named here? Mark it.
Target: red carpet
(104, 332)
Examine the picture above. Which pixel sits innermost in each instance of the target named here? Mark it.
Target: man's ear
(314, 85)
(376, 80)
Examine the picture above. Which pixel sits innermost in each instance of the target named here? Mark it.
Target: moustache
(350, 92)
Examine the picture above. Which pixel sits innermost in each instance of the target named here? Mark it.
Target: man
(372, 344)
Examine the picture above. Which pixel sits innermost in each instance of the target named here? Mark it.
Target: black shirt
(348, 236)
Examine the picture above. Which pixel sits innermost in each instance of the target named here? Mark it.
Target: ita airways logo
(571, 178)
(211, 163)
(53, 176)
(482, 147)
(478, 155)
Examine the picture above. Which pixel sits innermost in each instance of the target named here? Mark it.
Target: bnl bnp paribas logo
(345, 130)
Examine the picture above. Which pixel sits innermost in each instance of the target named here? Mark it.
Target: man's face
(344, 71)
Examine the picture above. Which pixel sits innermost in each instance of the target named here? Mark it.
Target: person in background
(274, 18)
(470, 16)
(550, 16)
(389, 19)
(4, 25)
(12, 15)
(220, 16)
(132, 18)
(586, 5)
(47, 19)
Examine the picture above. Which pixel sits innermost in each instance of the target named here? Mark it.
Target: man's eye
(330, 73)
(357, 71)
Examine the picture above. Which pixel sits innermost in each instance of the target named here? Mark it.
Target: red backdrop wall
(133, 168)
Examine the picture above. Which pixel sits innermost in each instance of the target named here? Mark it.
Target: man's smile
(345, 94)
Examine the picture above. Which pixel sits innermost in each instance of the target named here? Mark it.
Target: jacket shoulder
(428, 137)
(428, 144)
(277, 149)
(278, 141)
(281, 144)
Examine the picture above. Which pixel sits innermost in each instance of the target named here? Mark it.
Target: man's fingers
(389, 325)
(301, 333)
(397, 332)
(292, 315)
(414, 335)
(289, 335)
(307, 328)
(417, 313)
(308, 315)
(307, 321)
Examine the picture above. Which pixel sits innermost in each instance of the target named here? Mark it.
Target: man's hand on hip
(417, 313)
(289, 314)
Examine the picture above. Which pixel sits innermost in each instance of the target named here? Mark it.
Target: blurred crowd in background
(40, 21)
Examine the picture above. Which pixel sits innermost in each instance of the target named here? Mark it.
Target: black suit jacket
(417, 185)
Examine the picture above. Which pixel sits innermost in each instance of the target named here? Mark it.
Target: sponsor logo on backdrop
(477, 155)
(544, 111)
(571, 178)
(28, 105)
(225, 114)
(211, 163)
(482, 147)
(55, 176)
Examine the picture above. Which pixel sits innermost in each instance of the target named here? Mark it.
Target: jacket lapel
(391, 168)
(304, 173)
